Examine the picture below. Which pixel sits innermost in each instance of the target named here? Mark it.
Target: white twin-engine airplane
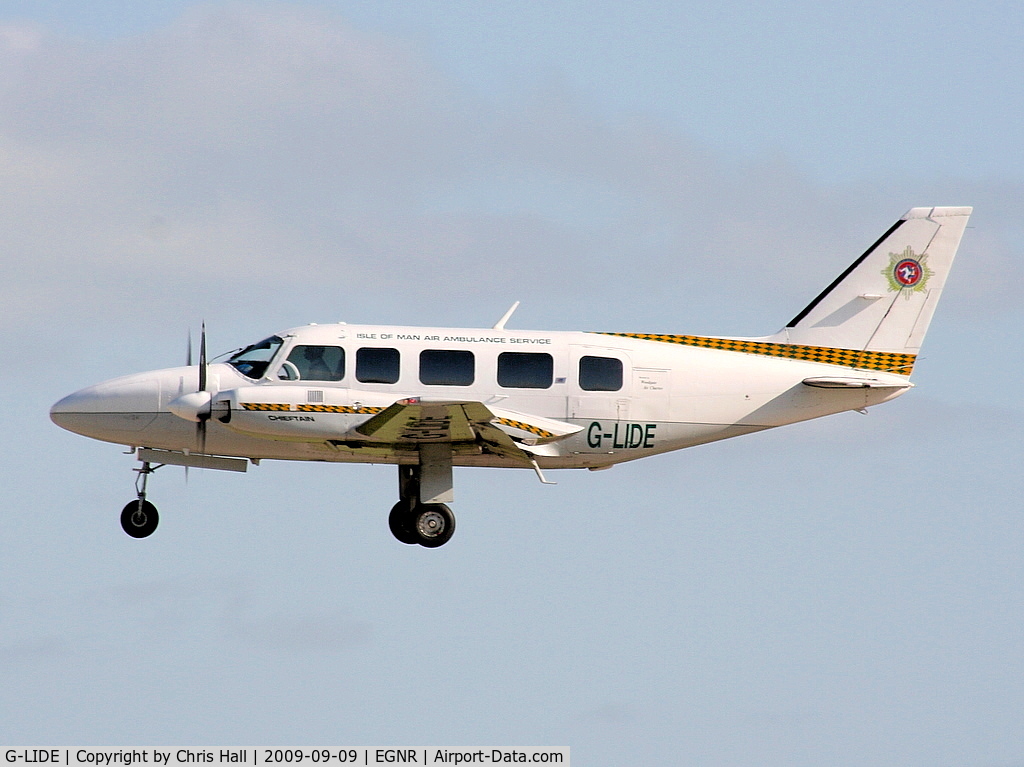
(428, 399)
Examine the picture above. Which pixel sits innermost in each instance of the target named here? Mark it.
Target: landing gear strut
(412, 521)
(140, 518)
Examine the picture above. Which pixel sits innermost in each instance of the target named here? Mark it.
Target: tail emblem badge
(907, 271)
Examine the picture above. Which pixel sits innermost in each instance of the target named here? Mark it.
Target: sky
(846, 591)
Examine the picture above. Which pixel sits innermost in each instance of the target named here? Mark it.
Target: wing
(409, 423)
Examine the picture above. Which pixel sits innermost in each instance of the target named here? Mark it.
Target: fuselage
(302, 394)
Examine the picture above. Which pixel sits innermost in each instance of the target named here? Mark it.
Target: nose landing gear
(140, 518)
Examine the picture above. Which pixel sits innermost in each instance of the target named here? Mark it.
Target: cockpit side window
(252, 361)
(314, 363)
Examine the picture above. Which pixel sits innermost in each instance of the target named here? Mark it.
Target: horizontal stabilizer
(838, 382)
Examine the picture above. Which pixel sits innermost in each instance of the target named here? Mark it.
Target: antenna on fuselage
(500, 324)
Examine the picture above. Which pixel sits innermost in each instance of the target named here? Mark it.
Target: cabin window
(377, 365)
(525, 370)
(446, 367)
(600, 373)
(314, 363)
(253, 360)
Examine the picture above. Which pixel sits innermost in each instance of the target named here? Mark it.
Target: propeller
(196, 406)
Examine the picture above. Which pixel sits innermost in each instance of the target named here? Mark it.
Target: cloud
(165, 611)
(301, 634)
(274, 155)
(43, 650)
(211, 126)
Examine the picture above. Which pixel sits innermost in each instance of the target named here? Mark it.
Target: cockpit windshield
(252, 361)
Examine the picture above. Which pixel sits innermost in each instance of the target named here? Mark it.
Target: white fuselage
(633, 397)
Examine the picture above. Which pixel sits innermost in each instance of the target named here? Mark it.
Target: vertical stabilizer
(885, 300)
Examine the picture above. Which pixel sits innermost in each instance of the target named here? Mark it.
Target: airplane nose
(110, 410)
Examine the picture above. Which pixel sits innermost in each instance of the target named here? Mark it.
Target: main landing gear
(140, 518)
(413, 521)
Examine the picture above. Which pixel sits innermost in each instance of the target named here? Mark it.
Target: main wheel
(139, 519)
(433, 524)
(400, 522)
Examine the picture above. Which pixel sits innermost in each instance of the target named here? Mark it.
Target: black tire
(433, 524)
(139, 521)
(400, 522)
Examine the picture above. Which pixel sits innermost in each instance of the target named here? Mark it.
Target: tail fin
(885, 300)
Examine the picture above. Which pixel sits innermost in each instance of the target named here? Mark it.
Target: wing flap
(533, 429)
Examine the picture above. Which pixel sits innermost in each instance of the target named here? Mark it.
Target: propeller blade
(201, 423)
(202, 359)
(188, 351)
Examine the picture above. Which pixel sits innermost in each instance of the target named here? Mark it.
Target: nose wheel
(139, 518)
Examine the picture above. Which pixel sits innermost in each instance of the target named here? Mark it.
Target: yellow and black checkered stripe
(889, 362)
(542, 433)
(276, 407)
(349, 409)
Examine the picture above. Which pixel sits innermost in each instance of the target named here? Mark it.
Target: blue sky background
(845, 592)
